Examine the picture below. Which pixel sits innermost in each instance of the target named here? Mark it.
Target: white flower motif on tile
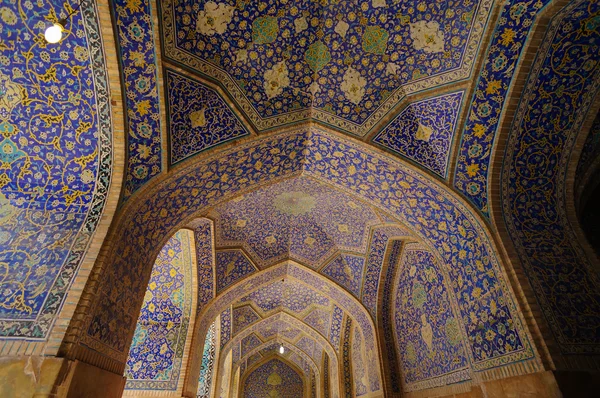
(341, 28)
(353, 85)
(301, 24)
(241, 55)
(427, 36)
(378, 3)
(214, 18)
(392, 68)
(424, 133)
(276, 79)
(314, 88)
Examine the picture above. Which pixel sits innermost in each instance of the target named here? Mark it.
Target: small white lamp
(281, 349)
(54, 33)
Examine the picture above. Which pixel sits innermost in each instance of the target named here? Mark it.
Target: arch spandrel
(274, 380)
(430, 209)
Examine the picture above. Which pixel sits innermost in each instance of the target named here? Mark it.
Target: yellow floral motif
(198, 118)
(479, 130)
(214, 18)
(427, 36)
(276, 79)
(424, 133)
(493, 87)
(11, 95)
(472, 169)
(353, 85)
(508, 36)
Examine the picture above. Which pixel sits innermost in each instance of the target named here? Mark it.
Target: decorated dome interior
(299, 198)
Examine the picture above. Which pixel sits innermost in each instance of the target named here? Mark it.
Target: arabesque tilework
(424, 131)
(248, 343)
(556, 99)
(156, 353)
(199, 118)
(208, 362)
(429, 340)
(335, 333)
(485, 113)
(346, 270)
(243, 317)
(135, 33)
(274, 378)
(358, 364)
(422, 205)
(345, 63)
(300, 218)
(204, 239)
(232, 265)
(225, 327)
(56, 156)
(386, 316)
(375, 258)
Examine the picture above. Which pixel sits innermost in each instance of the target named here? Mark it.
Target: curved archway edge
(432, 210)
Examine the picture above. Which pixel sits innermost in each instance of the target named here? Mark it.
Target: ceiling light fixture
(53, 34)
(281, 349)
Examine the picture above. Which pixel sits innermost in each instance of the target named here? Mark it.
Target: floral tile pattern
(56, 157)
(298, 218)
(208, 362)
(199, 118)
(495, 79)
(347, 270)
(274, 379)
(204, 238)
(232, 265)
(424, 131)
(345, 63)
(156, 353)
(135, 31)
(427, 331)
(555, 102)
(243, 317)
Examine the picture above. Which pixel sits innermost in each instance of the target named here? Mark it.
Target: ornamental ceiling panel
(299, 218)
(344, 63)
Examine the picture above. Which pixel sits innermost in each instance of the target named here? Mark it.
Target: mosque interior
(299, 198)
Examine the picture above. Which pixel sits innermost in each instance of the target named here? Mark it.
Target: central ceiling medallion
(294, 203)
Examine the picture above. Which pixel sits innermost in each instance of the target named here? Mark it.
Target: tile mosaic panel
(225, 327)
(337, 316)
(347, 359)
(471, 177)
(243, 317)
(204, 238)
(298, 218)
(249, 343)
(199, 119)
(555, 102)
(345, 63)
(428, 335)
(426, 207)
(156, 353)
(138, 64)
(346, 270)
(274, 378)
(290, 295)
(56, 156)
(319, 320)
(358, 365)
(375, 258)
(387, 315)
(208, 362)
(424, 131)
(232, 265)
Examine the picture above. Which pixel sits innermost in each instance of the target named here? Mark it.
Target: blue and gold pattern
(225, 327)
(204, 238)
(232, 265)
(345, 63)
(274, 378)
(299, 218)
(554, 105)
(55, 158)
(248, 343)
(424, 131)
(375, 258)
(133, 21)
(319, 320)
(199, 118)
(428, 333)
(243, 317)
(155, 356)
(422, 205)
(346, 270)
(510, 35)
(335, 333)
(207, 366)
